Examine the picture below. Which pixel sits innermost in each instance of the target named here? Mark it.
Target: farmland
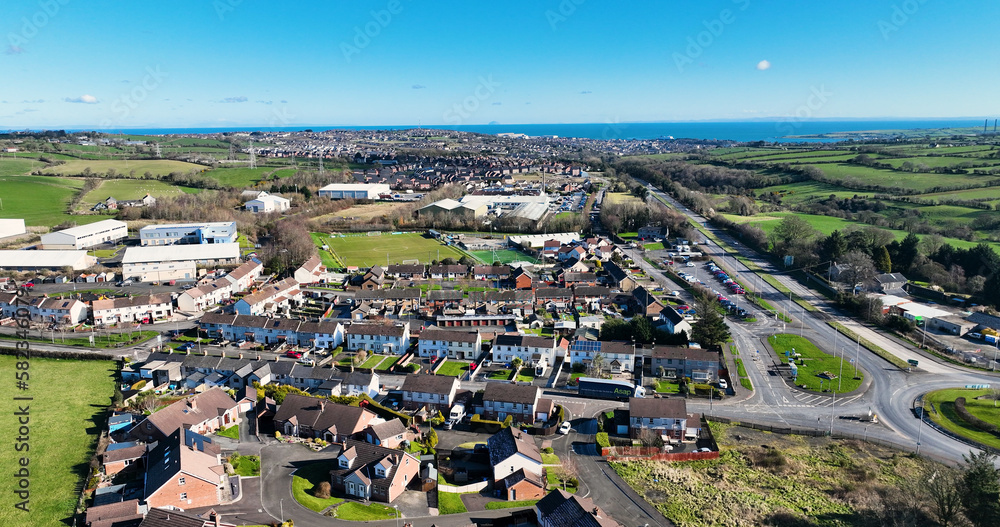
(246, 177)
(156, 167)
(366, 251)
(505, 256)
(125, 189)
(40, 200)
(63, 434)
(13, 166)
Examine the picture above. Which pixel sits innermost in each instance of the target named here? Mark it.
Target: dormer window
(344, 463)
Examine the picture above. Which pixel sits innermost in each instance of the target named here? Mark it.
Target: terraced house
(378, 338)
(132, 309)
(452, 344)
(372, 472)
(530, 349)
(44, 309)
(436, 392)
(696, 364)
(525, 403)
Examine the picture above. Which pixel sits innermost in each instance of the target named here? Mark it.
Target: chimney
(240, 355)
(322, 405)
(193, 403)
(596, 512)
(215, 517)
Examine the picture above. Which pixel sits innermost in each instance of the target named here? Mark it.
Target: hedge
(973, 420)
(602, 440)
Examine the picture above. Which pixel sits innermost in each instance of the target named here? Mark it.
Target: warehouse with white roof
(22, 261)
(354, 190)
(85, 236)
(176, 262)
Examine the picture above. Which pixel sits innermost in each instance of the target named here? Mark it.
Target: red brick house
(203, 413)
(185, 471)
(373, 472)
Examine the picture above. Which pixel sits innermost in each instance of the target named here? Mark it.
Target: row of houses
(327, 334)
(70, 311)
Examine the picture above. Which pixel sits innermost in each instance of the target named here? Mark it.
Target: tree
(516, 363)
(791, 229)
(833, 246)
(596, 365)
(882, 261)
(858, 269)
(909, 248)
(323, 490)
(432, 438)
(981, 489)
(944, 487)
(711, 328)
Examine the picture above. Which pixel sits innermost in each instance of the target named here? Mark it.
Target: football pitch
(363, 250)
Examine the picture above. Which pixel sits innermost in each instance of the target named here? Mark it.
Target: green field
(505, 256)
(940, 406)
(242, 177)
(63, 431)
(41, 200)
(816, 361)
(613, 198)
(450, 503)
(15, 167)
(304, 483)
(366, 251)
(157, 167)
(126, 189)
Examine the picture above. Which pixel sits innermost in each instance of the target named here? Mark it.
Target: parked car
(293, 354)
(704, 449)
(723, 384)
(565, 428)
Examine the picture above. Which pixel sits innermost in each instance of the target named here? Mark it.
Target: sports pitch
(365, 251)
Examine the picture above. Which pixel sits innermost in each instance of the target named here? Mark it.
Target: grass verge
(304, 483)
(940, 406)
(494, 505)
(815, 362)
(450, 503)
(870, 346)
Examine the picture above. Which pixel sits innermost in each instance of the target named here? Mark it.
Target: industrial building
(188, 233)
(453, 209)
(85, 236)
(354, 190)
(178, 262)
(22, 261)
(267, 203)
(12, 228)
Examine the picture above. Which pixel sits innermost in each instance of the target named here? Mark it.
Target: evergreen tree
(882, 260)
(711, 327)
(908, 251)
(982, 489)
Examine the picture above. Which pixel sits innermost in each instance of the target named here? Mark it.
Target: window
(184, 495)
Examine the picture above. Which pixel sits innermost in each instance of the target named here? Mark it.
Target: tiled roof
(209, 404)
(374, 329)
(686, 354)
(322, 414)
(433, 333)
(512, 393)
(562, 509)
(642, 407)
(509, 442)
(439, 384)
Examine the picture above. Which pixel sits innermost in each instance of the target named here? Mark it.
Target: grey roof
(433, 333)
(374, 329)
(510, 441)
(615, 272)
(562, 509)
(322, 414)
(591, 290)
(359, 378)
(890, 278)
(429, 383)
(168, 458)
(444, 294)
(388, 429)
(553, 292)
(685, 354)
(524, 340)
(171, 518)
(642, 407)
(513, 393)
(983, 319)
(388, 294)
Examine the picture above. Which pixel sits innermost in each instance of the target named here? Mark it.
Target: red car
(293, 354)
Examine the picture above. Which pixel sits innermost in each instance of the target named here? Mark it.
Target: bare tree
(859, 269)
(567, 470)
(944, 486)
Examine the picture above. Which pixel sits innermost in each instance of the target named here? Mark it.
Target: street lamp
(397, 514)
(281, 508)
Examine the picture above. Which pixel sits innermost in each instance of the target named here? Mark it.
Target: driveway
(247, 511)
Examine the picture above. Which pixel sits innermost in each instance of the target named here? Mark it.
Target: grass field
(242, 177)
(41, 200)
(362, 212)
(943, 413)
(450, 503)
(101, 340)
(63, 432)
(304, 483)
(505, 256)
(613, 198)
(816, 361)
(366, 251)
(157, 167)
(354, 511)
(15, 167)
(454, 368)
(124, 189)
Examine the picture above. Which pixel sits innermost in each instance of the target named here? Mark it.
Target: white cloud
(764, 65)
(83, 99)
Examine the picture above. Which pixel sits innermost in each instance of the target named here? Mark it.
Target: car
(449, 424)
(689, 264)
(187, 286)
(723, 384)
(293, 354)
(307, 362)
(565, 427)
(704, 449)
(487, 363)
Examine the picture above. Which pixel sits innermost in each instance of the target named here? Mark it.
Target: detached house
(185, 471)
(311, 271)
(436, 392)
(666, 418)
(371, 472)
(525, 403)
(303, 416)
(435, 342)
(517, 465)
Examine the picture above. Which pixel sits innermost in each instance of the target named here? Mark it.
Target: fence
(654, 454)
(471, 487)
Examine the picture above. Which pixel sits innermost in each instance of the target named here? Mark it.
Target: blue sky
(70, 63)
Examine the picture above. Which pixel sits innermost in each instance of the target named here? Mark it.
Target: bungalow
(562, 509)
(436, 392)
(270, 298)
(491, 272)
(139, 309)
(449, 272)
(699, 365)
(304, 416)
(667, 418)
(511, 452)
(377, 337)
(407, 298)
(203, 413)
(185, 471)
(434, 342)
(372, 472)
(617, 357)
(571, 279)
(388, 434)
(501, 399)
(406, 271)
